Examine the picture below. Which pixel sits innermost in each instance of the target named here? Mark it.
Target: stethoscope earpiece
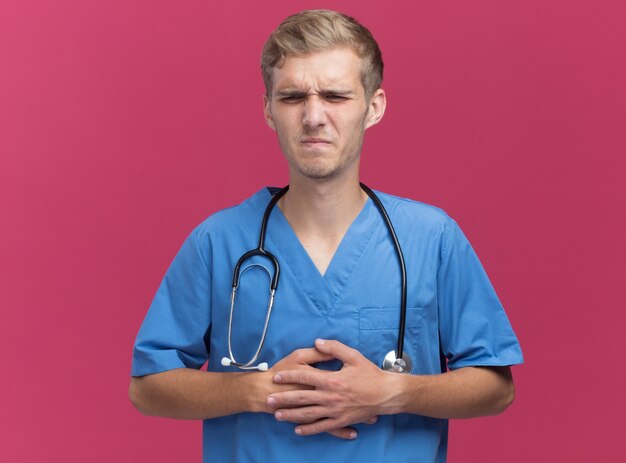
(263, 366)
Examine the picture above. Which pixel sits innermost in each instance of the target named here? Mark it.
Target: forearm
(464, 393)
(193, 394)
(190, 394)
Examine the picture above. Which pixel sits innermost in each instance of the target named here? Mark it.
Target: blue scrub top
(452, 309)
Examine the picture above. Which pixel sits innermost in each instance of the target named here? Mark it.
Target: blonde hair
(312, 31)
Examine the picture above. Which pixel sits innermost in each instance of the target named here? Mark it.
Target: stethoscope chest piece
(397, 365)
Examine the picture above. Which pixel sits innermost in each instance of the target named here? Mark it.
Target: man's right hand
(297, 360)
(186, 393)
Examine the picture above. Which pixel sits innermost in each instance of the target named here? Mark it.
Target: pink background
(124, 123)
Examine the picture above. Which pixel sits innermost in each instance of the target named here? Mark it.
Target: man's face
(319, 111)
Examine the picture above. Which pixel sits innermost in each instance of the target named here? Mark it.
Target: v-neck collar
(328, 289)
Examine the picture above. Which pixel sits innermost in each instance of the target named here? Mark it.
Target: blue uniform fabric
(452, 308)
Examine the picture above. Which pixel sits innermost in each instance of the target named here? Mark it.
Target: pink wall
(125, 123)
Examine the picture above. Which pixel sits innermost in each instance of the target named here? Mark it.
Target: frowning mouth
(315, 141)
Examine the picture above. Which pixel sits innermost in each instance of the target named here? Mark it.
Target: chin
(316, 172)
(321, 176)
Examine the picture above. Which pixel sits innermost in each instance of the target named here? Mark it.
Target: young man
(336, 312)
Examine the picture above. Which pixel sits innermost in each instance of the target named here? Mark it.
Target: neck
(322, 208)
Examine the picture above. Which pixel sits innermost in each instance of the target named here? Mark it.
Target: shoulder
(236, 216)
(412, 213)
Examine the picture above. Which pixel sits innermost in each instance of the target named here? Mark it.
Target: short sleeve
(474, 328)
(173, 332)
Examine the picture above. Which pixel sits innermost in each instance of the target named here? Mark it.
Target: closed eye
(333, 98)
(292, 97)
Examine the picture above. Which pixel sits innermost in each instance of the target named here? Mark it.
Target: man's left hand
(357, 393)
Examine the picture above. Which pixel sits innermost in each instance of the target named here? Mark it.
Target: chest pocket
(378, 331)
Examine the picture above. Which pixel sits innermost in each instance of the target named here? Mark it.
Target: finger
(338, 350)
(298, 398)
(343, 433)
(309, 377)
(371, 420)
(302, 415)
(316, 416)
(320, 426)
(310, 356)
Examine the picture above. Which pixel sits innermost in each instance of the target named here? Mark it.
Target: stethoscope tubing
(261, 251)
(394, 237)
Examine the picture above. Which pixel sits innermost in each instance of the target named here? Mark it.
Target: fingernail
(298, 431)
(320, 341)
(353, 435)
(277, 378)
(271, 401)
(278, 415)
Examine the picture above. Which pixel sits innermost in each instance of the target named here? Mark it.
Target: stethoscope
(396, 360)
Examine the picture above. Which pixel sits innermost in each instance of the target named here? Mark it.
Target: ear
(376, 108)
(267, 113)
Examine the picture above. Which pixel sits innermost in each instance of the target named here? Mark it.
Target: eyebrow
(337, 92)
(324, 92)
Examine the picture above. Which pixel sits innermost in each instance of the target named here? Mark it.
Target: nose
(314, 112)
